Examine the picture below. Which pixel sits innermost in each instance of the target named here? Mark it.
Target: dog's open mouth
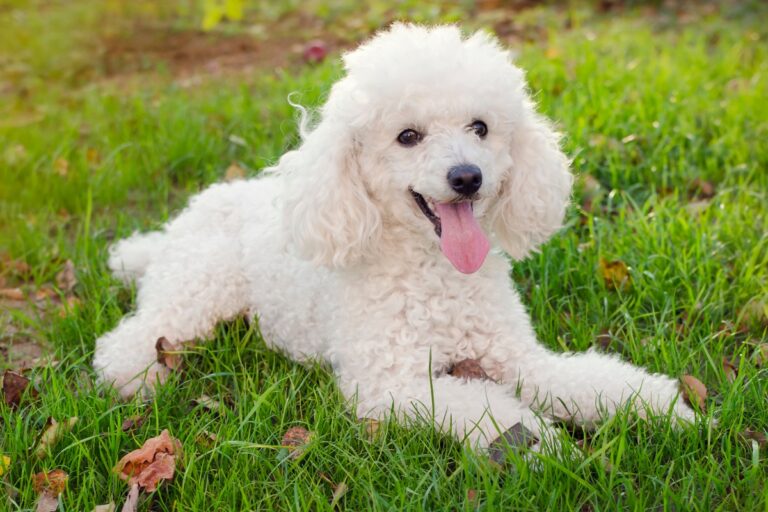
(462, 240)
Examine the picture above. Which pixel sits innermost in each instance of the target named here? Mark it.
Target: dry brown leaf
(208, 403)
(109, 507)
(472, 498)
(61, 166)
(755, 435)
(206, 439)
(92, 156)
(339, 490)
(694, 391)
(153, 462)
(48, 486)
(234, 172)
(730, 370)
(468, 369)
(66, 279)
(696, 208)
(69, 305)
(371, 427)
(14, 386)
(132, 499)
(591, 192)
(755, 312)
(134, 422)
(701, 189)
(615, 274)
(52, 434)
(552, 53)
(11, 293)
(168, 354)
(296, 439)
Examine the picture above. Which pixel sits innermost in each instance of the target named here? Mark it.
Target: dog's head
(433, 136)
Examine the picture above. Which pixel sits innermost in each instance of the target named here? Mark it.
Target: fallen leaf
(168, 354)
(132, 499)
(48, 486)
(730, 370)
(701, 189)
(615, 274)
(234, 172)
(109, 507)
(468, 369)
(472, 498)
(12, 293)
(61, 166)
(755, 312)
(592, 192)
(153, 462)
(552, 53)
(371, 427)
(208, 403)
(755, 435)
(68, 305)
(206, 439)
(66, 279)
(339, 491)
(315, 51)
(134, 422)
(14, 386)
(15, 154)
(5, 464)
(93, 157)
(696, 208)
(629, 138)
(517, 438)
(53, 434)
(296, 439)
(236, 139)
(694, 392)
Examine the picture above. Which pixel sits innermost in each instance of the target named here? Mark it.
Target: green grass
(648, 104)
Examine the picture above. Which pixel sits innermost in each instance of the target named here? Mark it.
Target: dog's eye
(480, 128)
(409, 137)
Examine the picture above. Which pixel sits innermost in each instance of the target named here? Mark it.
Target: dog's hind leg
(194, 283)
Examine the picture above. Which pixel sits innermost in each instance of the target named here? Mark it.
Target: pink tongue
(461, 240)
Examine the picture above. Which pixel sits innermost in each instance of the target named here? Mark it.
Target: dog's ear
(536, 190)
(328, 215)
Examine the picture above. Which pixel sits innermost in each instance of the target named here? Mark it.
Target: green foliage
(647, 104)
(215, 11)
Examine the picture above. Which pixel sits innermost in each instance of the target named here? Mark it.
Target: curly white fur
(333, 255)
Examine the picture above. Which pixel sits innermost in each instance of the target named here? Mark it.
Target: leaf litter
(49, 486)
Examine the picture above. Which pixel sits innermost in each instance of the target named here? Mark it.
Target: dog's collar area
(427, 211)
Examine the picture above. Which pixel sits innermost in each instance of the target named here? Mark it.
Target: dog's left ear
(328, 215)
(536, 191)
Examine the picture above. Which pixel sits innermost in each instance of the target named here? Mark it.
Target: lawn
(104, 130)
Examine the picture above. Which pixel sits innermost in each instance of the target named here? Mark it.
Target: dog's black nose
(465, 179)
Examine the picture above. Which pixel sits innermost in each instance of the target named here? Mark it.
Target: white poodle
(376, 247)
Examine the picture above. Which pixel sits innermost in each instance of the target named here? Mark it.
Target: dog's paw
(128, 375)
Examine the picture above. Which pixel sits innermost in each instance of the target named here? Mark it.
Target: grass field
(665, 112)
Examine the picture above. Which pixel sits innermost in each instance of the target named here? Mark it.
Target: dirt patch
(192, 52)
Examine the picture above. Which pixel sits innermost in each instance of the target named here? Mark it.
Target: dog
(378, 247)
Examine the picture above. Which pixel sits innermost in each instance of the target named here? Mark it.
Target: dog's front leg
(477, 411)
(586, 387)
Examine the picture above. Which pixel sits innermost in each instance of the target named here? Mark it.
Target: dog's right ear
(328, 215)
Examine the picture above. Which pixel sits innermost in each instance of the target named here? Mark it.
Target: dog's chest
(453, 317)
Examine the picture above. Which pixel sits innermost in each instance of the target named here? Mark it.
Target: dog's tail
(129, 258)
